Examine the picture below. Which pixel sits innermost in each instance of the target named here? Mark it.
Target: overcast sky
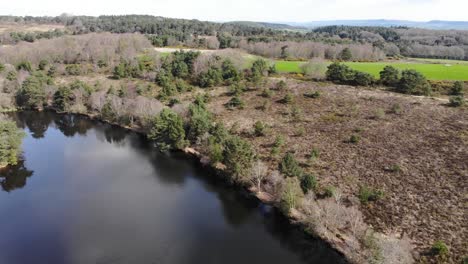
(254, 10)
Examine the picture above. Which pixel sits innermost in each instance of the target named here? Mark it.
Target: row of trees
(406, 81)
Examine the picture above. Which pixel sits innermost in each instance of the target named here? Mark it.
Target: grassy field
(442, 70)
(433, 69)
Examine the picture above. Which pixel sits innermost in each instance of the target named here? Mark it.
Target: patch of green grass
(289, 66)
(431, 71)
(450, 70)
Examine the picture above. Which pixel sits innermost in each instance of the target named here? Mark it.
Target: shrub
(396, 109)
(290, 195)
(346, 54)
(413, 82)
(379, 113)
(200, 121)
(277, 145)
(314, 154)
(11, 76)
(329, 191)
(315, 94)
(2, 67)
(238, 157)
(10, 142)
(340, 73)
(73, 69)
(260, 129)
(229, 72)
(237, 88)
(210, 78)
(457, 88)
(24, 65)
(390, 76)
(42, 65)
(456, 101)
(32, 94)
(289, 166)
(235, 102)
(367, 194)
(300, 132)
(439, 249)
(168, 130)
(281, 85)
(288, 98)
(363, 79)
(308, 183)
(354, 139)
(296, 114)
(62, 98)
(267, 93)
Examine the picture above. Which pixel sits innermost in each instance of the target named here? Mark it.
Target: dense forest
(368, 43)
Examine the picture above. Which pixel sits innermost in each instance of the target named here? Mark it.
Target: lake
(88, 192)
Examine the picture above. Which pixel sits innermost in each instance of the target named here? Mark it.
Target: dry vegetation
(413, 149)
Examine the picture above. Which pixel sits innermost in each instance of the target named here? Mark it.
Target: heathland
(372, 160)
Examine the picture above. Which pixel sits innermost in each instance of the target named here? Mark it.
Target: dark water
(91, 193)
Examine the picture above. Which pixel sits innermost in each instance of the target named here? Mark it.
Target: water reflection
(14, 177)
(118, 200)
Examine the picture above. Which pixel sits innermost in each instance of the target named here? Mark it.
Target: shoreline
(191, 153)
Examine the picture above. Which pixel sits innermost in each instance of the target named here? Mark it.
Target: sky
(252, 10)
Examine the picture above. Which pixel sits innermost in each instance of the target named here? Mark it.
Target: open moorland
(368, 162)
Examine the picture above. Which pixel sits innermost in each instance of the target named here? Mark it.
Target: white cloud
(255, 10)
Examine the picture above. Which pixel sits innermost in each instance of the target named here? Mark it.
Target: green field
(443, 70)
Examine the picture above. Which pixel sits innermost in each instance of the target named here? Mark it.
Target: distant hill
(434, 24)
(269, 25)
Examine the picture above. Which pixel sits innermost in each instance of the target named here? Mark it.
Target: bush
(212, 77)
(291, 195)
(260, 129)
(2, 67)
(200, 121)
(354, 139)
(62, 98)
(277, 145)
(42, 65)
(267, 93)
(11, 76)
(440, 249)
(168, 130)
(314, 154)
(456, 101)
(315, 94)
(281, 86)
(288, 98)
(235, 102)
(367, 194)
(346, 54)
(390, 76)
(289, 166)
(10, 142)
(340, 73)
(24, 65)
(238, 157)
(396, 109)
(363, 79)
(73, 69)
(308, 183)
(457, 88)
(329, 191)
(229, 72)
(413, 82)
(237, 88)
(32, 94)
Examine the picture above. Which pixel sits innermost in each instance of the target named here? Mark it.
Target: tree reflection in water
(14, 177)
